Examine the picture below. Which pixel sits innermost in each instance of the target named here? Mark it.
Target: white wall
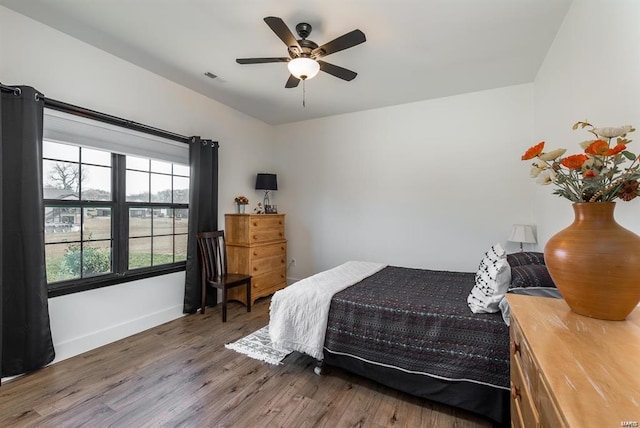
(68, 70)
(591, 72)
(431, 184)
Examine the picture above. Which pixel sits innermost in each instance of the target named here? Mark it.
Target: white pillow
(492, 281)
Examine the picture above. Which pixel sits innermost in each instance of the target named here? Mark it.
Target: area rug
(257, 345)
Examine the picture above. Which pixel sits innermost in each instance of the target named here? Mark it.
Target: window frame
(120, 236)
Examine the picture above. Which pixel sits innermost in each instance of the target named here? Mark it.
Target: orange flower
(617, 149)
(598, 147)
(533, 151)
(589, 174)
(574, 161)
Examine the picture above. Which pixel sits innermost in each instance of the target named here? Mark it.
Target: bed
(412, 330)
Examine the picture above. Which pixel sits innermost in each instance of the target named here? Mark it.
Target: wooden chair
(213, 263)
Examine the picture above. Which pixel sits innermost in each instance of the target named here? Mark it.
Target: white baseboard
(78, 345)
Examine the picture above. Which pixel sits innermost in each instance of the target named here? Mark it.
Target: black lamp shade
(266, 182)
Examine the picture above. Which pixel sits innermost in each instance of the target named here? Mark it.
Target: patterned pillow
(492, 280)
(530, 276)
(525, 258)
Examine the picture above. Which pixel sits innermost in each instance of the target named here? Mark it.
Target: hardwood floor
(180, 374)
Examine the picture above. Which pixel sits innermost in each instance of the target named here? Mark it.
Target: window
(111, 217)
(157, 194)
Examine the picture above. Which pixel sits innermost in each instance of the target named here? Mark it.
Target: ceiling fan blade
(261, 60)
(278, 26)
(343, 42)
(292, 82)
(337, 71)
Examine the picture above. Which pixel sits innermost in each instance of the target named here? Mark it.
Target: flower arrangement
(242, 200)
(597, 175)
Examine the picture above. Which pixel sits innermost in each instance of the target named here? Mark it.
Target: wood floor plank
(180, 374)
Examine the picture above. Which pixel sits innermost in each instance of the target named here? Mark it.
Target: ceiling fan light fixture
(303, 68)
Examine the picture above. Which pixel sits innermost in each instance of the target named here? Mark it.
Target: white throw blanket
(299, 312)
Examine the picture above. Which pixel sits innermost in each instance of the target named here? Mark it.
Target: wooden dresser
(568, 370)
(256, 245)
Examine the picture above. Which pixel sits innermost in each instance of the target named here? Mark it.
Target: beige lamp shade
(523, 233)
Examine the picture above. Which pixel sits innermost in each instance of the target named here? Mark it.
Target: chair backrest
(213, 254)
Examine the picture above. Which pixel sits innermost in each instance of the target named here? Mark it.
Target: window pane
(180, 248)
(96, 183)
(56, 266)
(160, 188)
(181, 221)
(162, 250)
(60, 180)
(137, 163)
(97, 223)
(96, 258)
(61, 224)
(96, 157)
(63, 152)
(181, 170)
(162, 223)
(139, 222)
(137, 186)
(180, 190)
(157, 166)
(139, 252)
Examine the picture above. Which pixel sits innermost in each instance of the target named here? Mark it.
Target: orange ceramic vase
(595, 263)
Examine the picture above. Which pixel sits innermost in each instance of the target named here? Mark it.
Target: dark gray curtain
(203, 214)
(26, 335)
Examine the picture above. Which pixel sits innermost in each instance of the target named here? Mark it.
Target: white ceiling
(415, 49)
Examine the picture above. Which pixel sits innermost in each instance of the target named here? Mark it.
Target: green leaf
(629, 155)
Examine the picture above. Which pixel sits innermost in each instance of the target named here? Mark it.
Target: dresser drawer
(268, 283)
(521, 351)
(267, 264)
(266, 228)
(522, 405)
(262, 251)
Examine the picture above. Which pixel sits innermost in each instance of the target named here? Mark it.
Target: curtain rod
(103, 117)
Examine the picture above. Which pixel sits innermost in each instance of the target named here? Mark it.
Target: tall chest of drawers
(568, 370)
(256, 245)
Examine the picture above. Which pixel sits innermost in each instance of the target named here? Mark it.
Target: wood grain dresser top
(592, 366)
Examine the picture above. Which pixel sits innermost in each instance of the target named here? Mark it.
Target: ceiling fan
(304, 55)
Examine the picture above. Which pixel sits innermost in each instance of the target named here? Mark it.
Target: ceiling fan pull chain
(304, 93)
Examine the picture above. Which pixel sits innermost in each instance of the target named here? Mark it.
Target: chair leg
(249, 296)
(204, 296)
(224, 304)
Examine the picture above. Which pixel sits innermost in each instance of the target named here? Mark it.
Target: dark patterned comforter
(418, 321)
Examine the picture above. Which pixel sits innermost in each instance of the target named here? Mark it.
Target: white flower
(547, 176)
(535, 171)
(552, 155)
(612, 132)
(586, 143)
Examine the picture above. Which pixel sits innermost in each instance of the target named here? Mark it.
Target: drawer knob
(282, 261)
(255, 268)
(282, 248)
(280, 222)
(255, 238)
(515, 347)
(515, 391)
(255, 285)
(255, 253)
(281, 275)
(280, 233)
(255, 223)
